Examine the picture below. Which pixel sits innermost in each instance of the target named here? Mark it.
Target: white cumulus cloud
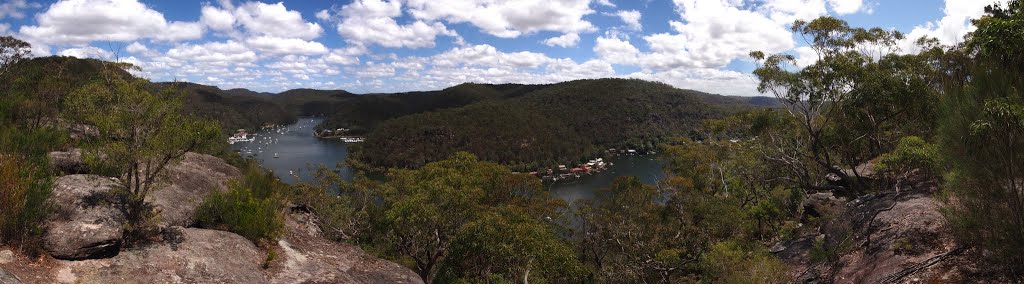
(87, 52)
(13, 9)
(508, 19)
(83, 21)
(631, 18)
(616, 51)
(372, 22)
(278, 45)
(953, 26)
(566, 40)
(275, 20)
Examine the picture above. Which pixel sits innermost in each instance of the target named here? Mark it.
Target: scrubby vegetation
(241, 212)
(24, 141)
(253, 206)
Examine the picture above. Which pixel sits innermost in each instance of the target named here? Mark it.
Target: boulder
(85, 224)
(69, 162)
(306, 257)
(823, 203)
(186, 184)
(193, 256)
(82, 131)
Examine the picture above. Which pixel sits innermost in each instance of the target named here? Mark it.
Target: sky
(374, 46)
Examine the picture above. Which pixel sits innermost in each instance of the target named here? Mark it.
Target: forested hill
(44, 82)
(553, 124)
(519, 125)
(234, 109)
(364, 113)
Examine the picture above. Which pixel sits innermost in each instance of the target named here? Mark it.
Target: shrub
(733, 262)
(24, 189)
(980, 134)
(241, 212)
(911, 153)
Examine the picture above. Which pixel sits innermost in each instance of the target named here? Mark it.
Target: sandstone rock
(305, 257)
(912, 231)
(187, 184)
(69, 162)
(199, 256)
(8, 278)
(822, 203)
(6, 256)
(885, 233)
(82, 131)
(85, 224)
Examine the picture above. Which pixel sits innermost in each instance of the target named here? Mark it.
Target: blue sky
(367, 46)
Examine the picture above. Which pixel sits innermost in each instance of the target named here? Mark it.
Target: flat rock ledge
(195, 256)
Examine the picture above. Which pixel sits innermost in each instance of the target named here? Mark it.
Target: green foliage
(506, 243)
(271, 256)
(721, 189)
(342, 208)
(230, 110)
(911, 153)
(12, 51)
(980, 137)
(733, 262)
(443, 218)
(240, 211)
(626, 235)
(362, 114)
(24, 188)
(140, 133)
(560, 123)
(852, 104)
(999, 38)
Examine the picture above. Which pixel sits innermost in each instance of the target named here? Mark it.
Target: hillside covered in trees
(558, 123)
(524, 126)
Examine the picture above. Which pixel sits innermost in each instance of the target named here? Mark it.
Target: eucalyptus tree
(462, 218)
(12, 51)
(140, 132)
(852, 104)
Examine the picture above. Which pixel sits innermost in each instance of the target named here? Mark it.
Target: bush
(911, 153)
(733, 262)
(980, 134)
(241, 212)
(24, 189)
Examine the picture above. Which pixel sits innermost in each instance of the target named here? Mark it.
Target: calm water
(296, 147)
(646, 167)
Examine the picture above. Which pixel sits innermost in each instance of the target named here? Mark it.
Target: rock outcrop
(85, 231)
(85, 224)
(882, 238)
(305, 257)
(187, 184)
(193, 256)
(68, 163)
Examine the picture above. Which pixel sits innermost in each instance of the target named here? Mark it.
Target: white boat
(352, 139)
(241, 137)
(275, 155)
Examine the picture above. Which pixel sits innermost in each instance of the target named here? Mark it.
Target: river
(296, 148)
